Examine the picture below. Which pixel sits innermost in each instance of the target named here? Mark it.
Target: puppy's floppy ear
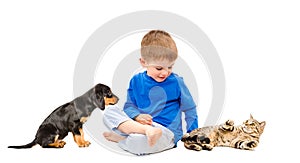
(101, 103)
(99, 97)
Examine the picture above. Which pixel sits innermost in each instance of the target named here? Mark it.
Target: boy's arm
(191, 119)
(188, 106)
(130, 106)
(131, 109)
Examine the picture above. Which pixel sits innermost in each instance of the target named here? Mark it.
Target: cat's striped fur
(245, 136)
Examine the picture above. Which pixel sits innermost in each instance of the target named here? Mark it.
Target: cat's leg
(196, 142)
(187, 138)
(246, 145)
(190, 142)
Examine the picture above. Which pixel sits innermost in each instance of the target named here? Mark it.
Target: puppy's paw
(84, 144)
(61, 144)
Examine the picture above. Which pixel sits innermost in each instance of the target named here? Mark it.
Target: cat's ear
(251, 117)
(262, 125)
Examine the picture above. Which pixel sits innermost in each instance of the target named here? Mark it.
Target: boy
(155, 100)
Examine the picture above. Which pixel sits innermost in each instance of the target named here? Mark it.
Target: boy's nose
(164, 72)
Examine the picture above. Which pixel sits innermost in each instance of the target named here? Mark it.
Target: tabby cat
(245, 136)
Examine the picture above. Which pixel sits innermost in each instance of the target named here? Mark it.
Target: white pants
(136, 143)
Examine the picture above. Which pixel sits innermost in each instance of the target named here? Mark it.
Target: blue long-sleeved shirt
(164, 101)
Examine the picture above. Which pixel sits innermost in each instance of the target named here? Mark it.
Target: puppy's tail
(29, 145)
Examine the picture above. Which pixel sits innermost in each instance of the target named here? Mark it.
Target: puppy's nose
(117, 98)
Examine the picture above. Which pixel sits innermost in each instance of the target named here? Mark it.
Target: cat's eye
(251, 123)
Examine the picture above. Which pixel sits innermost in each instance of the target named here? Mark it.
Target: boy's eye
(159, 68)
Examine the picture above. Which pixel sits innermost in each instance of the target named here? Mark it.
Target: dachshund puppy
(70, 117)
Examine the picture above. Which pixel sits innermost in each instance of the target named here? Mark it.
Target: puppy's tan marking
(83, 119)
(57, 143)
(79, 139)
(109, 101)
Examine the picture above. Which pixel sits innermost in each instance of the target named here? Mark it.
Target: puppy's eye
(109, 95)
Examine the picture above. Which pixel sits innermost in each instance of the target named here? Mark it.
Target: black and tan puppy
(70, 117)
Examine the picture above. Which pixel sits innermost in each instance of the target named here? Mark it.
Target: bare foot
(111, 136)
(153, 134)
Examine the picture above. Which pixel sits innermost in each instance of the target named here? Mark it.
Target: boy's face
(159, 70)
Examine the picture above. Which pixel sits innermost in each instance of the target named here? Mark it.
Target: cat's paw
(185, 137)
(249, 145)
(229, 122)
(203, 140)
(252, 144)
(207, 147)
(228, 126)
(195, 147)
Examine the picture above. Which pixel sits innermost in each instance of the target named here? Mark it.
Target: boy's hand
(145, 119)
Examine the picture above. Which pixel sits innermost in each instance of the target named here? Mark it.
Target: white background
(257, 41)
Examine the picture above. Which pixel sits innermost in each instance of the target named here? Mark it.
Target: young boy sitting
(151, 120)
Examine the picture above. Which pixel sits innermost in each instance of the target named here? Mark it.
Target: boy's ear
(142, 62)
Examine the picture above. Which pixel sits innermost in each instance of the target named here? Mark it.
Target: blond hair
(158, 45)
